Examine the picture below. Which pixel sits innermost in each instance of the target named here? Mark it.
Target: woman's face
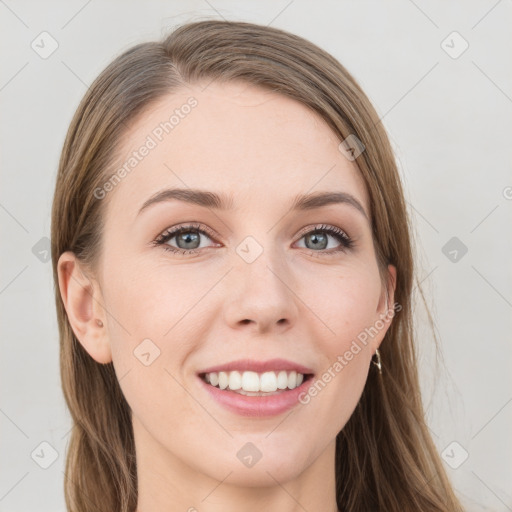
(256, 284)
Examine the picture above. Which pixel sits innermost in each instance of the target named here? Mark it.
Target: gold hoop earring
(378, 362)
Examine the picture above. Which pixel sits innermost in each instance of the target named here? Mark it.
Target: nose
(260, 294)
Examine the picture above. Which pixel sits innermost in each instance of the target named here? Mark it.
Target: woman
(234, 269)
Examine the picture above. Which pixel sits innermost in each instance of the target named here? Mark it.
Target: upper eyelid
(192, 227)
(322, 227)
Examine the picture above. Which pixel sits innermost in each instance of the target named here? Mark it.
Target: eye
(188, 238)
(318, 239)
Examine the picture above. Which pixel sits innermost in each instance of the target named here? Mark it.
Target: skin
(295, 301)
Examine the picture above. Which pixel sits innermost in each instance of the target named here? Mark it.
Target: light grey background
(450, 123)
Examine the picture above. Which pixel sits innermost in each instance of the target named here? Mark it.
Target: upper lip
(259, 366)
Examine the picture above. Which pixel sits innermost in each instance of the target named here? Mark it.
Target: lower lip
(271, 405)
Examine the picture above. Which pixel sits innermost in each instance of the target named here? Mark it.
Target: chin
(253, 463)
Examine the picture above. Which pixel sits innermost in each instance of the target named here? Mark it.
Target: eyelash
(346, 243)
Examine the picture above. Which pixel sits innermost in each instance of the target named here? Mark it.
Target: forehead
(235, 139)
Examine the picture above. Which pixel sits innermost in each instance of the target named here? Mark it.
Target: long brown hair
(385, 457)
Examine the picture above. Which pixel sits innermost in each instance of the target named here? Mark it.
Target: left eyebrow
(319, 199)
(215, 201)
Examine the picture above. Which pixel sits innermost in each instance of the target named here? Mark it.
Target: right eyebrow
(194, 196)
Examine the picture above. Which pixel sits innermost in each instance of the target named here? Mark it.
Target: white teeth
(223, 380)
(214, 378)
(282, 380)
(268, 382)
(292, 380)
(252, 382)
(235, 380)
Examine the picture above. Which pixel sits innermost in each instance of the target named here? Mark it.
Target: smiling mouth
(250, 383)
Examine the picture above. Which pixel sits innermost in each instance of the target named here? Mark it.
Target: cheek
(155, 326)
(344, 304)
(148, 301)
(148, 307)
(347, 306)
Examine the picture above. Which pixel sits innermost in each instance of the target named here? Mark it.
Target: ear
(385, 309)
(84, 306)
